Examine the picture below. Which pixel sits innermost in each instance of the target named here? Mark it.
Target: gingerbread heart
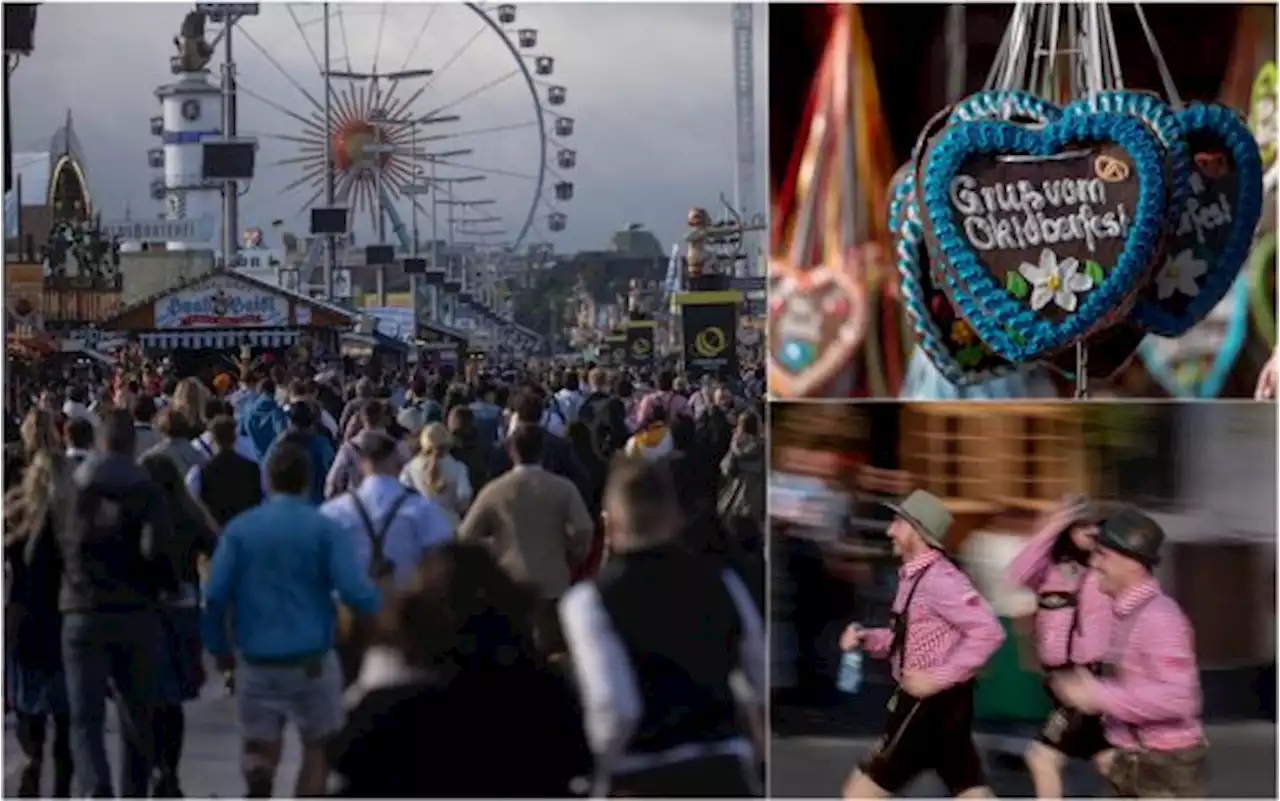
(1214, 226)
(1044, 234)
(948, 341)
(816, 322)
(944, 338)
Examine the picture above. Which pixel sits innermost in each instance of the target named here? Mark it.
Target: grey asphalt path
(1242, 764)
(211, 757)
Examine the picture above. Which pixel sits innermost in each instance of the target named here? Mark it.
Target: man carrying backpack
(389, 526)
(605, 417)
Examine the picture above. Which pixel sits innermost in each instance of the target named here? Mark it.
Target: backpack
(306, 441)
(381, 568)
(263, 429)
(598, 421)
(554, 409)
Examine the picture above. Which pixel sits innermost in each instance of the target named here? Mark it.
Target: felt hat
(927, 514)
(1133, 534)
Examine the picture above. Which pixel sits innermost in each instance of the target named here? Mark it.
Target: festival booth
(428, 345)
(199, 322)
(1078, 223)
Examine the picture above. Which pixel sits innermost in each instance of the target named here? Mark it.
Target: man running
(1148, 690)
(1072, 623)
(940, 635)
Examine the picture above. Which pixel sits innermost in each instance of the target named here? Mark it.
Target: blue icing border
(1216, 120)
(929, 336)
(1166, 125)
(1003, 104)
(988, 301)
(1223, 361)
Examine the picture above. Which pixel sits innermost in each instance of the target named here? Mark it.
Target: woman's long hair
(189, 400)
(435, 442)
(460, 610)
(39, 433)
(45, 481)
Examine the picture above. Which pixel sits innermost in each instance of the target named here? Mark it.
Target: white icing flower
(1180, 274)
(1057, 281)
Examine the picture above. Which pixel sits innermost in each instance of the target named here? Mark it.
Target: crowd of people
(563, 565)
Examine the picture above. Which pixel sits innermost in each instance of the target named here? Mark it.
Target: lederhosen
(934, 733)
(1140, 772)
(1066, 730)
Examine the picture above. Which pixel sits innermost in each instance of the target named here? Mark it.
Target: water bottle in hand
(850, 678)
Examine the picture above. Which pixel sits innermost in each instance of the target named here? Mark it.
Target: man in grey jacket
(115, 540)
(175, 442)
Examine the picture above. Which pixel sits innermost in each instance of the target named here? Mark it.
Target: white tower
(192, 111)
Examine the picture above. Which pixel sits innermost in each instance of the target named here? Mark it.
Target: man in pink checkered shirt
(1072, 626)
(1148, 692)
(941, 634)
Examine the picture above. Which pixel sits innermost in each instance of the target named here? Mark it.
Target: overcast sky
(649, 86)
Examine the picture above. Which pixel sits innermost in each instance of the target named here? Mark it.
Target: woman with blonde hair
(189, 400)
(437, 475)
(39, 433)
(34, 681)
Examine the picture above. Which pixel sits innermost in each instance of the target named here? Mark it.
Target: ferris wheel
(448, 112)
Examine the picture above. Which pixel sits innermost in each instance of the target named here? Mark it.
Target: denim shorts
(269, 697)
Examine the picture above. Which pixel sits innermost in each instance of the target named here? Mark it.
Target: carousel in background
(887, 284)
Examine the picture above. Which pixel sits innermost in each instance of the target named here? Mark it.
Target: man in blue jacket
(278, 566)
(261, 419)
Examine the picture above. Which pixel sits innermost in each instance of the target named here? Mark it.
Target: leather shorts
(936, 734)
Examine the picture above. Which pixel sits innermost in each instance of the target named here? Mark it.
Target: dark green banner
(640, 343)
(710, 338)
(615, 347)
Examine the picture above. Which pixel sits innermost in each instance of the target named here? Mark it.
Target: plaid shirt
(1035, 569)
(951, 630)
(1154, 702)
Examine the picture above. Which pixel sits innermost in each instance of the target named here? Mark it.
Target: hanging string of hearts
(1056, 212)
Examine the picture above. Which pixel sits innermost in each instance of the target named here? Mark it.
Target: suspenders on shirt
(1057, 600)
(1115, 655)
(898, 623)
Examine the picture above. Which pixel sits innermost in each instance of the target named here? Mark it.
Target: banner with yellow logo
(641, 335)
(710, 324)
(615, 348)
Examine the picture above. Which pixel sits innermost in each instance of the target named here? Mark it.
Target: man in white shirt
(79, 436)
(570, 397)
(384, 513)
(214, 408)
(76, 406)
